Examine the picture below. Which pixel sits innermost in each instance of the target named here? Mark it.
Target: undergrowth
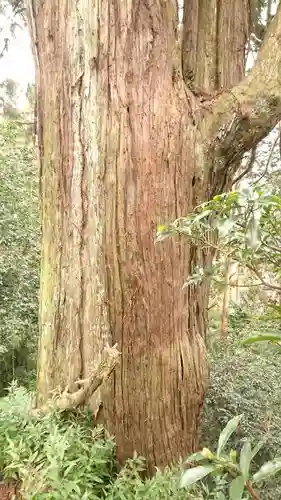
(59, 457)
(64, 457)
(19, 257)
(245, 381)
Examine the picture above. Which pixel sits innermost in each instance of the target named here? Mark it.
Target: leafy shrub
(19, 256)
(61, 457)
(55, 458)
(238, 317)
(230, 474)
(129, 484)
(245, 381)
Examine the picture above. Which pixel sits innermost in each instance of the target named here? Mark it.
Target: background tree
(127, 140)
(11, 15)
(8, 99)
(19, 256)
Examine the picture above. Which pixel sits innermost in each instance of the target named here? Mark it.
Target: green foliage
(66, 454)
(19, 256)
(273, 337)
(164, 485)
(62, 457)
(55, 458)
(272, 332)
(236, 473)
(246, 381)
(8, 98)
(244, 225)
(238, 317)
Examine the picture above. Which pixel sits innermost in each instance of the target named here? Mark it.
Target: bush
(54, 457)
(238, 317)
(61, 457)
(245, 381)
(19, 257)
(129, 484)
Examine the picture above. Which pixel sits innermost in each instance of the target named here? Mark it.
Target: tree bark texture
(124, 145)
(215, 33)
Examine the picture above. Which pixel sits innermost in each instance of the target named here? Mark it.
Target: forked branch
(244, 115)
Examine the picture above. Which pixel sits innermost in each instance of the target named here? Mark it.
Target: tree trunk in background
(225, 300)
(215, 33)
(235, 291)
(214, 39)
(119, 154)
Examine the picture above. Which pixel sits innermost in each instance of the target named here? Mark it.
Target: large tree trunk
(214, 40)
(121, 151)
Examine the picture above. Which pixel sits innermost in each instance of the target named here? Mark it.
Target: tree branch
(268, 163)
(262, 281)
(242, 116)
(82, 390)
(248, 167)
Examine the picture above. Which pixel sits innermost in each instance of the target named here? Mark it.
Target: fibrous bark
(125, 145)
(241, 117)
(79, 392)
(214, 39)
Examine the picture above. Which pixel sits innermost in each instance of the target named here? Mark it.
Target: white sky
(17, 63)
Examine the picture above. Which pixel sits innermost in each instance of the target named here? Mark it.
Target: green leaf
(220, 496)
(227, 432)
(201, 215)
(253, 233)
(257, 449)
(245, 458)
(236, 488)
(268, 337)
(245, 189)
(195, 457)
(164, 232)
(224, 226)
(191, 476)
(267, 470)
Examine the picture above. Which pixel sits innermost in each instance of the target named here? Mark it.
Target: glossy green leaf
(227, 432)
(246, 189)
(267, 470)
(245, 458)
(202, 215)
(220, 496)
(256, 449)
(236, 488)
(225, 225)
(267, 337)
(195, 457)
(163, 233)
(253, 236)
(191, 476)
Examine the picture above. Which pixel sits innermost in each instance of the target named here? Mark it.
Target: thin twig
(268, 163)
(249, 166)
(263, 282)
(251, 491)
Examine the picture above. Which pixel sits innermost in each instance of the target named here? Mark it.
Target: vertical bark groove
(121, 154)
(213, 42)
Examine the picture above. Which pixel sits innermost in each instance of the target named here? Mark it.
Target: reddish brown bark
(122, 149)
(215, 33)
